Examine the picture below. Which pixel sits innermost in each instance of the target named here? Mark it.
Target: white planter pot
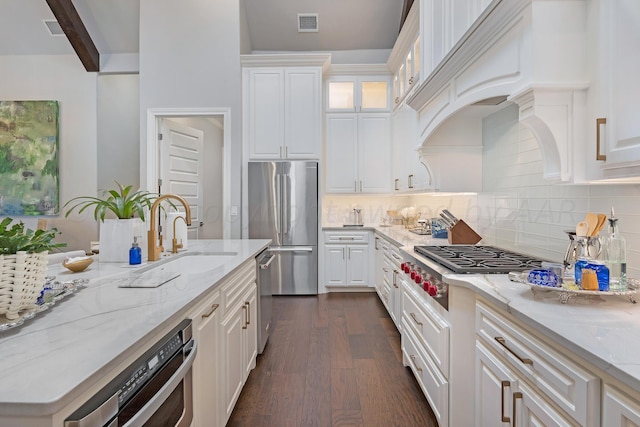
(116, 237)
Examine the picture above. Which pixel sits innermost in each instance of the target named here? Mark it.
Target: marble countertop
(53, 358)
(602, 330)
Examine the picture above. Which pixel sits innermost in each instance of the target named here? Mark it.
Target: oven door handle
(143, 415)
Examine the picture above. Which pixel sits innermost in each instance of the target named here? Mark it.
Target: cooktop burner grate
(478, 259)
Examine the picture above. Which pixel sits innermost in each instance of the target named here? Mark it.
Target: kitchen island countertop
(55, 357)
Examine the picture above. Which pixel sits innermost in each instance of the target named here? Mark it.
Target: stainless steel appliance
(461, 259)
(155, 390)
(265, 274)
(283, 207)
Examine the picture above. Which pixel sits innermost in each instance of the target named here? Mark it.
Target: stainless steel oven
(154, 391)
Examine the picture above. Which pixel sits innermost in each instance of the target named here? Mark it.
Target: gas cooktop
(478, 259)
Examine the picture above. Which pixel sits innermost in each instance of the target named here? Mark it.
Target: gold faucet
(154, 250)
(174, 243)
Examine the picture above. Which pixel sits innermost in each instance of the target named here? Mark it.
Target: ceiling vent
(307, 22)
(54, 27)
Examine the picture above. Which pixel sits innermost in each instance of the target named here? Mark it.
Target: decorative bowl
(77, 264)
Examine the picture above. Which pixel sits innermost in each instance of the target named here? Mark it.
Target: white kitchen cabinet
(283, 112)
(379, 245)
(405, 57)
(502, 399)
(239, 334)
(357, 153)
(616, 66)
(408, 172)
(347, 263)
(425, 342)
(619, 408)
(546, 387)
(392, 280)
(206, 372)
(351, 94)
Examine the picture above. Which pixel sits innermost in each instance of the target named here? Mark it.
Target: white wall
(190, 58)
(118, 132)
(64, 79)
(521, 211)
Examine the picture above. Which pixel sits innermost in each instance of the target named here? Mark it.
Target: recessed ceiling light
(54, 27)
(307, 22)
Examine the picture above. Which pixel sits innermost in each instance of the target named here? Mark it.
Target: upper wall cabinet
(405, 59)
(348, 94)
(282, 106)
(614, 123)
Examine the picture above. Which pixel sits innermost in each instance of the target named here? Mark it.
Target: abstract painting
(29, 158)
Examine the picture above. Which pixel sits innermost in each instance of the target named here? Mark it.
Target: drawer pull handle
(346, 238)
(248, 304)
(599, 122)
(214, 307)
(395, 274)
(503, 343)
(397, 257)
(505, 419)
(413, 316)
(516, 395)
(385, 269)
(413, 359)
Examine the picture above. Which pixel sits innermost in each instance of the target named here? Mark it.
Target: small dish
(77, 264)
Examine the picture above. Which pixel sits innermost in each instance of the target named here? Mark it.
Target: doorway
(176, 163)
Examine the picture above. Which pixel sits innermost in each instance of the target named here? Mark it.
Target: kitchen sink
(189, 263)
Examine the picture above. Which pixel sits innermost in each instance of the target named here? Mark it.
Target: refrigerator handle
(286, 227)
(278, 207)
(291, 249)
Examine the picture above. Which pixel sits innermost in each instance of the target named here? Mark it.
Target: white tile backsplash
(522, 211)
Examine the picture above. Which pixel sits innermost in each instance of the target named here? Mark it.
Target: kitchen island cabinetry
(206, 367)
(239, 334)
(346, 257)
(516, 370)
(357, 153)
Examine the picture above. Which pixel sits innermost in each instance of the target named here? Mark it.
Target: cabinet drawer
(433, 384)
(233, 288)
(570, 386)
(346, 237)
(429, 327)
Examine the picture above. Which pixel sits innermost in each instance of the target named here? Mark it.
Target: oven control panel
(148, 367)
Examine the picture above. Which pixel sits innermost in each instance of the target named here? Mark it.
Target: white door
(181, 168)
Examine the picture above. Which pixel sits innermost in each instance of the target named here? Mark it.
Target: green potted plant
(117, 234)
(23, 257)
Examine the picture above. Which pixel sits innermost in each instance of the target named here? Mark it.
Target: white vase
(116, 237)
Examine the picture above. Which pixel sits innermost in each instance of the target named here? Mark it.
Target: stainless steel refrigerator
(283, 207)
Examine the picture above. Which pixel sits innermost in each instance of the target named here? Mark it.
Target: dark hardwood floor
(331, 360)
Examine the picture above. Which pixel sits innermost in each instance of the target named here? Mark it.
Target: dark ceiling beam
(406, 7)
(76, 32)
